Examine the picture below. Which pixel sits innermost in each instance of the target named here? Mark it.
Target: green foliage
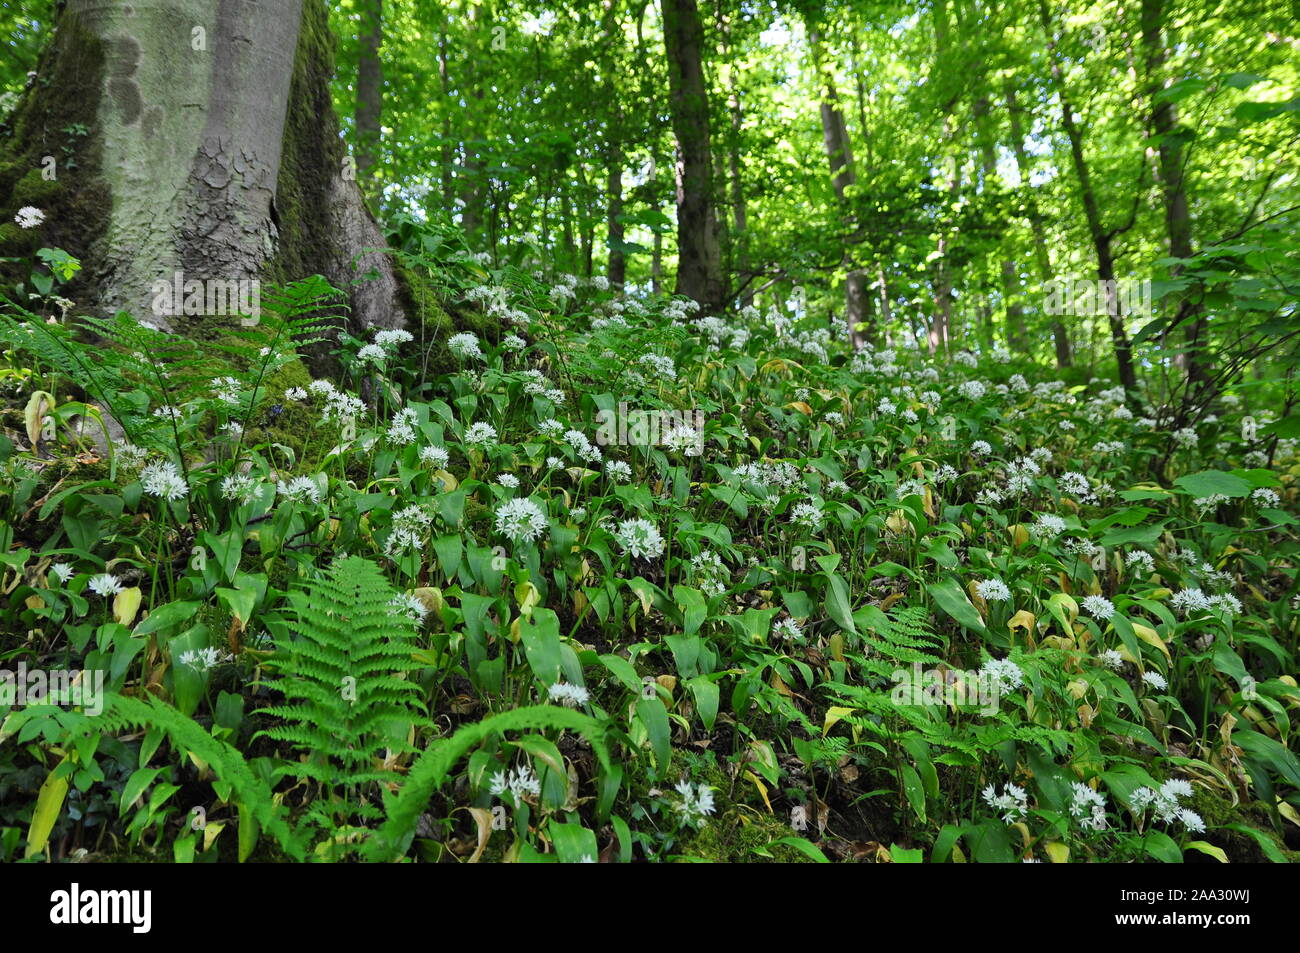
(341, 673)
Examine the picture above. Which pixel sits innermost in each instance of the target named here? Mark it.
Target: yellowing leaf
(210, 832)
(1057, 852)
(431, 598)
(898, 522)
(1206, 848)
(762, 789)
(40, 403)
(833, 714)
(528, 596)
(49, 804)
(1149, 636)
(1024, 619)
(1019, 535)
(126, 604)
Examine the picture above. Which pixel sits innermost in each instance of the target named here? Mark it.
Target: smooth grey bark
(192, 124)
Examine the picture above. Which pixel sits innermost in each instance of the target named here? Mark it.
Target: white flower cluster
(787, 630)
(521, 519)
(582, 445)
(640, 539)
(663, 366)
(410, 527)
(518, 782)
(1165, 804)
(697, 800)
(299, 489)
(401, 430)
(1012, 803)
(163, 480)
(1088, 806)
(1098, 607)
(1188, 601)
(1003, 674)
(465, 346)
(29, 217)
(570, 696)
(711, 575)
(204, 659)
(480, 434)
(807, 515)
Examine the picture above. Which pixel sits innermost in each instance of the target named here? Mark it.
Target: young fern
(345, 702)
(903, 638)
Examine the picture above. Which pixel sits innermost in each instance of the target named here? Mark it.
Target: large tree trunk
(699, 254)
(213, 152)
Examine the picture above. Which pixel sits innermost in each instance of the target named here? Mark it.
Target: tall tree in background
(1178, 223)
(370, 85)
(1037, 224)
(699, 255)
(839, 155)
(1102, 237)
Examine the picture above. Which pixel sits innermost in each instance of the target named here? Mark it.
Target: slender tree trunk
(617, 269)
(882, 289)
(1017, 333)
(473, 188)
(739, 211)
(941, 313)
(444, 150)
(1178, 223)
(566, 209)
(1101, 238)
(657, 264)
(253, 185)
(1060, 335)
(370, 84)
(699, 255)
(839, 156)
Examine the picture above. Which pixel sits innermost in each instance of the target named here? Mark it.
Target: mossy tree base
(194, 136)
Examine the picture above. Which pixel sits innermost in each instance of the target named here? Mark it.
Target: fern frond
(430, 770)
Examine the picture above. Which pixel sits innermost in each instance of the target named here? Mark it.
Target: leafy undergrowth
(631, 584)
